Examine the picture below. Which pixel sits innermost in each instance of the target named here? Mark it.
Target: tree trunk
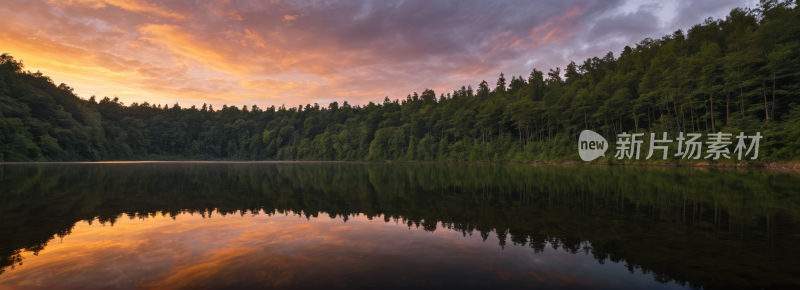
(728, 108)
(772, 112)
(585, 122)
(668, 122)
(766, 108)
(499, 130)
(683, 115)
(677, 121)
(741, 100)
(527, 135)
(691, 103)
(713, 130)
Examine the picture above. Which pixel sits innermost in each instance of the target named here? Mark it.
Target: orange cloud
(177, 40)
(130, 5)
(574, 11)
(557, 30)
(252, 37)
(256, 38)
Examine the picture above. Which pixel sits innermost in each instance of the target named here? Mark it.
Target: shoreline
(795, 166)
(791, 166)
(697, 165)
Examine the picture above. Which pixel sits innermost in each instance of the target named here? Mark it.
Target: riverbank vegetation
(737, 74)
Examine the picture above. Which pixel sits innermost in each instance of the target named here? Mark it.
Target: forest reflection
(705, 228)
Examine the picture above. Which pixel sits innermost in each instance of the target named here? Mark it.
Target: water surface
(312, 225)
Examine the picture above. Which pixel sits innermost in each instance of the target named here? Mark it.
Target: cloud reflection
(287, 250)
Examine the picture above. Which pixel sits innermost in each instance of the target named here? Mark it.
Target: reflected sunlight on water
(289, 250)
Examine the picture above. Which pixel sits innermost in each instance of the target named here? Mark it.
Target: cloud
(129, 5)
(297, 52)
(185, 44)
(689, 13)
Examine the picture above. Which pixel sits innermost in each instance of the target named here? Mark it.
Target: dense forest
(737, 74)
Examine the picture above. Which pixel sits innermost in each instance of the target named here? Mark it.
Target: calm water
(323, 225)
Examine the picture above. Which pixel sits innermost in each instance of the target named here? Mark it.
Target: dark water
(350, 225)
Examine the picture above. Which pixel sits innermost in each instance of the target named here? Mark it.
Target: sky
(303, 52)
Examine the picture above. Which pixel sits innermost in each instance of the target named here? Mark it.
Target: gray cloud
(691, 12)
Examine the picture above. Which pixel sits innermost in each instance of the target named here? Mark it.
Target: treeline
(737, 74)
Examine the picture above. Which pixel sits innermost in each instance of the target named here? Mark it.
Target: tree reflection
(679, 224)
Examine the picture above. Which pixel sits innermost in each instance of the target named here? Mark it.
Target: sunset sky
(299, 52)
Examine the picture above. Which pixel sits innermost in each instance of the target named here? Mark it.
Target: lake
(407, 225)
